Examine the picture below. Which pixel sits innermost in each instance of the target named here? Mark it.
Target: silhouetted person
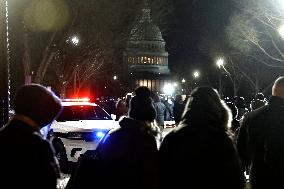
(129, 153)
(121, 109)
(160, 111)
(169, 109)
(178, 108)
(27, 159)
(258, 101)
(260, 141)
(241, 106)
(200, 153)
(235, 122)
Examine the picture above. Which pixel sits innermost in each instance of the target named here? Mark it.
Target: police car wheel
(61, 156)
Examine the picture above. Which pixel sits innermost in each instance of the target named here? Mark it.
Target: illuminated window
(145, 60)
(140, 82)
(145, 83)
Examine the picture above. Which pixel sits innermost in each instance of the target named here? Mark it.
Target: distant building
(145, 56)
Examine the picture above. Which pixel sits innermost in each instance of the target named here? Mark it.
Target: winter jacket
(261, 146)
(160, 113)
(27, 160)
(168, 111)
(130, 156)
(178, 111)
(199, 156)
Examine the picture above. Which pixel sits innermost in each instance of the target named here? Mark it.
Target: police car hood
(83, 125)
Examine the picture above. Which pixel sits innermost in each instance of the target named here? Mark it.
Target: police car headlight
(99, 134)
(95, 135)
(75, 135)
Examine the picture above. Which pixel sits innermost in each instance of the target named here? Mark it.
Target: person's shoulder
(258, 112)
(177, 132)
(41, 143)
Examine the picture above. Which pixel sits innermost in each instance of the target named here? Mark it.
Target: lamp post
(220, 64)
(183, 86)
(196, 75)
(4, 67)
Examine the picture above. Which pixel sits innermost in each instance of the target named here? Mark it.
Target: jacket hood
(132, 124)
(205, 108)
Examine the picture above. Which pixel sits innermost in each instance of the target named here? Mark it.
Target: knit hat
(141, 105)
(37, 103)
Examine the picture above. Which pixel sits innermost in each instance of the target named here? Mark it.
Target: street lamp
(74, 40)
(183, 80)
(220, 64)
(169, 89)
(115, 77)
(196, 74)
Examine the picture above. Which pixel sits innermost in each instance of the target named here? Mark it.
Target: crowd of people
(167, 108)
(215, 142)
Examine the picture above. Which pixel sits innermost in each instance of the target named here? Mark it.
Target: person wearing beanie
(129, 153)
(27, 159)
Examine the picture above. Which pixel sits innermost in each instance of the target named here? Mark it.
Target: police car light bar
(76, 100)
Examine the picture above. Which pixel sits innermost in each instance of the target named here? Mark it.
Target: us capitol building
(145, 56)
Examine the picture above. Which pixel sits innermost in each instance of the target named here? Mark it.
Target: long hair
(204, 107)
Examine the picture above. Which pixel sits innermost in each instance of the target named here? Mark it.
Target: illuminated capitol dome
(145, 54)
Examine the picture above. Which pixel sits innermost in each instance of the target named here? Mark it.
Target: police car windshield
(75, 113)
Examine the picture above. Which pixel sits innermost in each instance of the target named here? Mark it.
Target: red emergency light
(76, 100)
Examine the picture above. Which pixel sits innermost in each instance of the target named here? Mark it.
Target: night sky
(194, 26)
(193, 22)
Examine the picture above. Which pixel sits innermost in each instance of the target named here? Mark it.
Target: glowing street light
(281, 31)
(169, 89)
(220, 62)
(75, 40)
(183, 80)
(196, 74)
(115, 77)
(281, 3)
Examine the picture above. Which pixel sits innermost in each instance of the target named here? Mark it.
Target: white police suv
(79, 128)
